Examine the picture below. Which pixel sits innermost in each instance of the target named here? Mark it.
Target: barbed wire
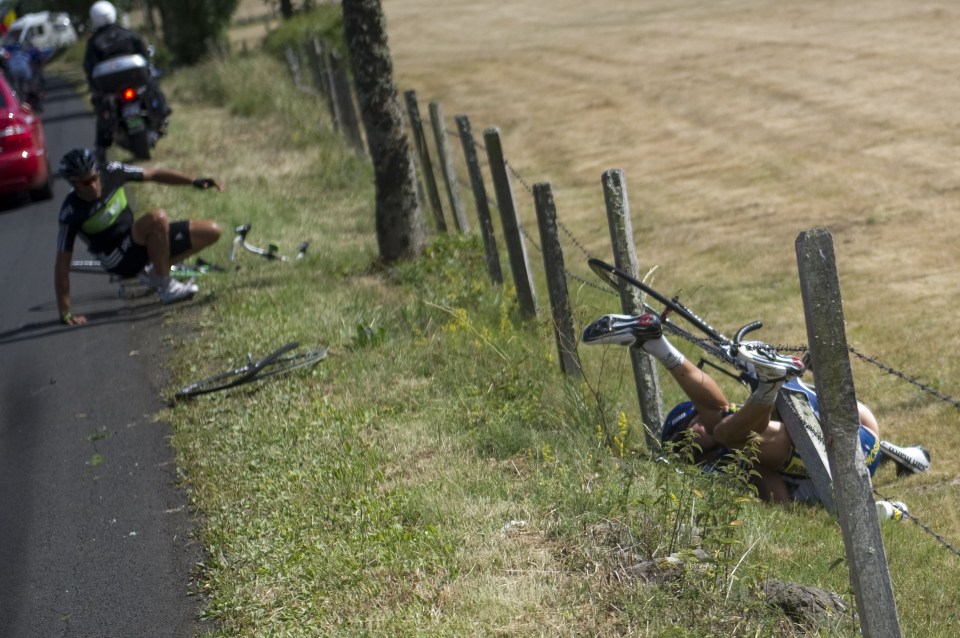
(940, 539)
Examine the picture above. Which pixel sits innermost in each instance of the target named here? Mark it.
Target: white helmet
(102, 13)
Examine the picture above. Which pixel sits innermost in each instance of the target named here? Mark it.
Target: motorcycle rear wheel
(140, 145)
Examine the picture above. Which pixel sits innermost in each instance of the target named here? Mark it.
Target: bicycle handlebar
(270, 253)
(742, 332)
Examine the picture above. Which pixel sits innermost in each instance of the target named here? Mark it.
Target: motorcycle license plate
(135, 124)
(130, 110)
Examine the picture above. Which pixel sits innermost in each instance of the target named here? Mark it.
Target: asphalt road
(95, 536)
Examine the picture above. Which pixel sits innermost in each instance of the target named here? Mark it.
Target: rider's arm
(176, 178)
(61, 283)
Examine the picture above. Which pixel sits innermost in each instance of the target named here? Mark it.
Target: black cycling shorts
(133, 257)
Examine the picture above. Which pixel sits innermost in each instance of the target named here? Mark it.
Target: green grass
(436, 475)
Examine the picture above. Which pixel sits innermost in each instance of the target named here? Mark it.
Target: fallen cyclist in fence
(97, 211)
(718, 426)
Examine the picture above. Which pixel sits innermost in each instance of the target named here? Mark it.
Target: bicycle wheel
(277, 362)
(614, 276)
(291, 362)
(234, 377)
(220, 381)
(715, 344)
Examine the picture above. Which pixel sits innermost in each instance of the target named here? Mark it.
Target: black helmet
(77, 163)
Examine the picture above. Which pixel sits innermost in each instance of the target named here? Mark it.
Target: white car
(46, 30)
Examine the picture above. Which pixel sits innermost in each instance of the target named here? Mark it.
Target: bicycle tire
(234, 377)
(291, 362)
(613, 276)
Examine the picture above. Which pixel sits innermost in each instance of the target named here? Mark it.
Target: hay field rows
(738, 124)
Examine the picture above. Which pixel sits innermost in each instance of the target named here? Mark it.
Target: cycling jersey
(104, 223)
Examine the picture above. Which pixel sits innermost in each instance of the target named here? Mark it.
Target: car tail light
(15, 136)
(129, 95)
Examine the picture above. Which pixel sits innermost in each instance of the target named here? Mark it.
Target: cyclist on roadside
(97, 211)
(110, 40)
(717, 425)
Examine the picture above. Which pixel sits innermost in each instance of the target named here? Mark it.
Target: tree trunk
(286, 9)
(401, 233)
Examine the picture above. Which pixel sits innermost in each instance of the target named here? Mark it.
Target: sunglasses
(88, 181)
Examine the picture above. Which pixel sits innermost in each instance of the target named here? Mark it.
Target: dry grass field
(738, 124)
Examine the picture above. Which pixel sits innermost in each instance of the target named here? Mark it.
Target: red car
(23, 151)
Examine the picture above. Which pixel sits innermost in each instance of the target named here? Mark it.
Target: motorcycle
(128, 104)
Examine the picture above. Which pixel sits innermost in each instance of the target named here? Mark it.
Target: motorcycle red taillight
(129, 95)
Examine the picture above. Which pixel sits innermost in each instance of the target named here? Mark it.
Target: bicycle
(178, 271)
(181, 272)
(280, 361)
(715, 344)
(270, 253)
(908, 460)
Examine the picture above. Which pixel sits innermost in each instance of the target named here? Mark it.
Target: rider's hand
(207, 182)
(70, 319)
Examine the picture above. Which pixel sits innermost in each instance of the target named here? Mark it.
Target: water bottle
(891, 510)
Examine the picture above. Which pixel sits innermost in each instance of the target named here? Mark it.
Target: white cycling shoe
(172, 290)
(763, 361)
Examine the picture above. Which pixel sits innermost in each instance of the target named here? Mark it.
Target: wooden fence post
(625, 258)
(332, 92)
(293, 63)
(350, 123)
(866, 560)
(807, 436)
(447, 167)
(516, 249)
(480, 197)
(426, 166)
(556, 280)
(318, 72)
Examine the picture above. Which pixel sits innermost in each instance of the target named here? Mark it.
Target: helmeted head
(677, 421)
(102, 13)
(78, 163)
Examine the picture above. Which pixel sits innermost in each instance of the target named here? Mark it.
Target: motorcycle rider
(109, 40)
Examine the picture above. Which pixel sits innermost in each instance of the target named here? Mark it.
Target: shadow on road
(40, 329)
